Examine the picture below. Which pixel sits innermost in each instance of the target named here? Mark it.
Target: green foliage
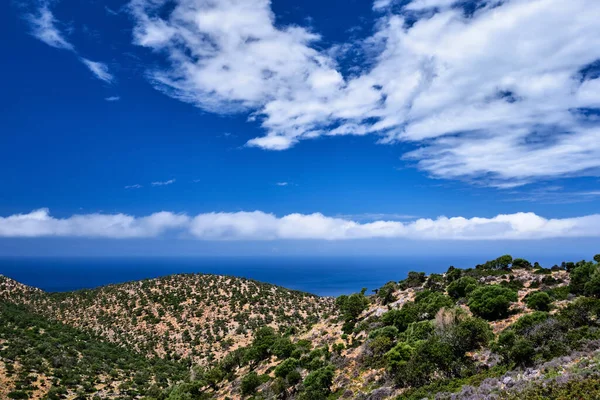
(491, 302)
(414, 279)
(453, 274)
(250, 383)
(428, 303)
(539, 301)
(435, 282)
(286, 367)
(580, 275)
(282, 348)
(521, 263)
(502, 262)
(461, 287)
(75, 357)
(386, 292)
(540, 336)
(317, 385)
(592, 287)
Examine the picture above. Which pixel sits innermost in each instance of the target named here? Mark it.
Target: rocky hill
(504, 329)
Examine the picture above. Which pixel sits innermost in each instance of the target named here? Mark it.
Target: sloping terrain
(40, 358)
(505, 329)
(195, 316)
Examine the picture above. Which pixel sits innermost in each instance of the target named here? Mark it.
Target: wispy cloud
(100, 70)
(258, 225)
(282, 183)
(43, 26)
(112, 98)
(110, 11)
(163, 183)
(136, 186)
(482, 98)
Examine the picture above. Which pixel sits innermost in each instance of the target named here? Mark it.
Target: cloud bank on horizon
(501, 92)
(258, 225)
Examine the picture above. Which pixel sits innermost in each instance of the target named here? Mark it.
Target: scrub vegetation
(505, 329)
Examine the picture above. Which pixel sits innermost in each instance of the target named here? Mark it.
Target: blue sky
(364, 121)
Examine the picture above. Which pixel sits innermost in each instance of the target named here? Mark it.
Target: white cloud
(99, 69)
(113, 98)
(282, 183)
(495, 95)
(43, 27)
(163, 183)
(258, 225)
(136, 186)
(40, 223)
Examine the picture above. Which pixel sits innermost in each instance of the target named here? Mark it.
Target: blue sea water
(324, 276)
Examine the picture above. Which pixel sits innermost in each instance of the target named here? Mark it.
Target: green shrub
(317, 385)
(491, 302)
(461, 287)
(414, 279)
(386, 292)
(539, 301)
(250, 383)
(287, 366)
(581, 275)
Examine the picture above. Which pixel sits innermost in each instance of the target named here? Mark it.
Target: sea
(323, 276)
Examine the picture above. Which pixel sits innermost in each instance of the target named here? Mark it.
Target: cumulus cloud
(40, 223)
(500, 92)
(100, 70)
(258, 225)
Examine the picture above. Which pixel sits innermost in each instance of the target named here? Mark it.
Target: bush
(352, 306)
(592, 287)
(461, 287)
(282, 348)
(428, 303)
(491, 302)
(250, 383)
(317, 385)
(386, 292)
(435, 282)
(539, 301)
(286, 367)
(414, 279)
(581, 275)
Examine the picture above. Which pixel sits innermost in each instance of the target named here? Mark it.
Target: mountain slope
(201, 317)
(40, 358)
(506, 329)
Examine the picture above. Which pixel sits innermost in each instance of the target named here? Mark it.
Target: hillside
(506, 329)
(195, 316)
